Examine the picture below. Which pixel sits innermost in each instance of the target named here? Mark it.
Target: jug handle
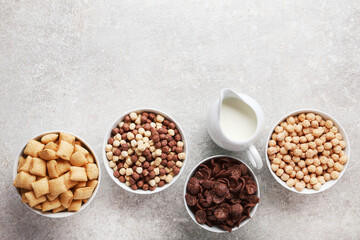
(254, 157)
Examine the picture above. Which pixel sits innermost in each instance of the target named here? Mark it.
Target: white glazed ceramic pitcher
(217, 134)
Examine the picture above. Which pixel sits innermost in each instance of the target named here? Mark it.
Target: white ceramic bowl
(110, 170)
(326, 116)
(215, 228)
(59, 214)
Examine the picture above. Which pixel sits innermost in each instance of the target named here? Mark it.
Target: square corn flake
(92, 171)
(67, 138)
(66, 198)
(51, 145)
(26, 165)
(52, 169)
(51, 137)
(57, 186)
(33, 148)
(79, 148)
(68, 182)
(62, 166)
(65, 150)
(21, 163)
(48, 154)
(83, 193)
(78, 174)
(92, 183)
(49, 205)
(40, 187)
(75, 206)
(78, 159)
(23, 180)
(59, 209)
(38, 167)
(33, 200)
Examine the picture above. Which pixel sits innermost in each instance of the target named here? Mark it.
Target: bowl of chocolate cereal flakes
(221, 194)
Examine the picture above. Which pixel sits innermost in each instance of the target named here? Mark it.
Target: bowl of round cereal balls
(144, 151)
(307, 151)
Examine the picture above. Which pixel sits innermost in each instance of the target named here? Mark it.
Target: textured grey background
(77, 65)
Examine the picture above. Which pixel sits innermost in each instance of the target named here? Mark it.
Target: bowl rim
(215, 229)
(341, 129)
(59, 214)
(115, 124)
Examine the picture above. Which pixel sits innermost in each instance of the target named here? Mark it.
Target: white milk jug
(235, 122)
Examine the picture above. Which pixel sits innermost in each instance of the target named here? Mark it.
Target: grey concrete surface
(77, 65)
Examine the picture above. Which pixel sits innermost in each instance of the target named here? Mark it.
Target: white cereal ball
(139, 170)
(116, 143)
(158, 152)
(141, 131)
(133, 143)
(132, 126)
(133, 116)
(117, 137)
(108, 148)
(130, 136)
(112, 164)
(138, 137)
(181, 156)
(129, 171)
(138, 120)
(168, 178)
(159, 118)
(179, 164)
(109, 155)
(122, 171)
(141, 147)
(124, 154)
(152, 182)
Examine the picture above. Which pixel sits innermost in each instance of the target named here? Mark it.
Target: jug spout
(227, 92)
